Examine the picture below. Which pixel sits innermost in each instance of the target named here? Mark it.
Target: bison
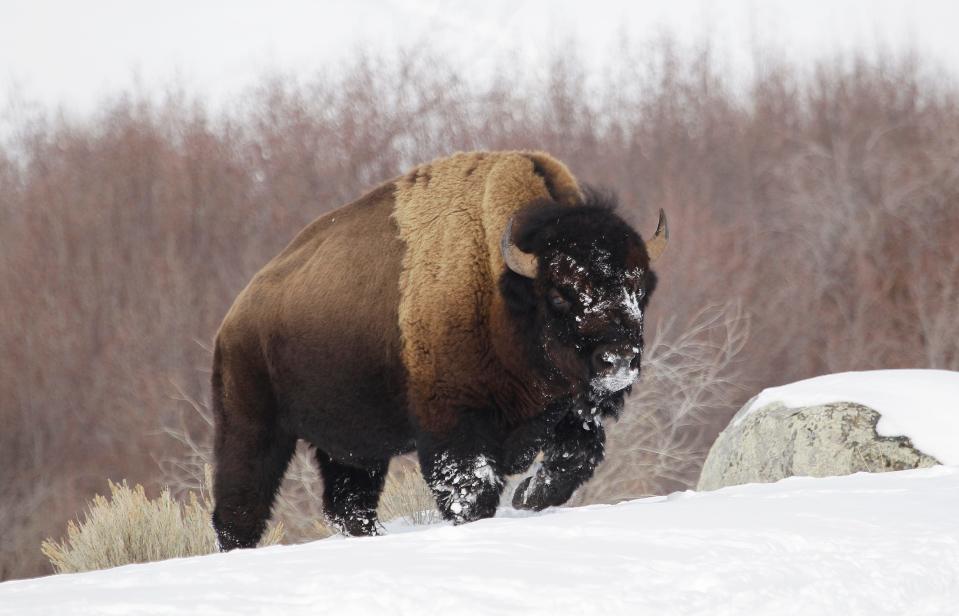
(479, 309)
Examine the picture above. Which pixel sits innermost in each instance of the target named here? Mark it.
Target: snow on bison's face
(591, 283)
(597, 311)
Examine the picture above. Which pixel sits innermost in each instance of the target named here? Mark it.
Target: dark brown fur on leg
(251, 455)
(244, 493)
(575, 448)
(350, 494)
(463, 467)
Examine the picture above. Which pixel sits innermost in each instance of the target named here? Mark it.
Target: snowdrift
(920, 404)
(861, 544)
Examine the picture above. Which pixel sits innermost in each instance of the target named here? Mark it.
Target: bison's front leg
(571, 455)
(463, 468)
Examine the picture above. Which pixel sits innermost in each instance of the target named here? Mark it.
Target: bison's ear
(523, 263)
(656, 245)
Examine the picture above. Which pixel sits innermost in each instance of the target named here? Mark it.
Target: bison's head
(579, 281)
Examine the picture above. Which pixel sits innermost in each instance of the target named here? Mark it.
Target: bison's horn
(523, 263)
(657, 244)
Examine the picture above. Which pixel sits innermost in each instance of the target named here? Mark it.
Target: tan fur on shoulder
(451, 214)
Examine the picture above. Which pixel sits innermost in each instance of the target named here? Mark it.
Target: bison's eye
(557, 301)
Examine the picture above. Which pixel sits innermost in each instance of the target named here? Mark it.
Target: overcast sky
(72, 53)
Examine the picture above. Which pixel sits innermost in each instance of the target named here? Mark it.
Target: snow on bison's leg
(350, 494)
(463, 469)
(571, 455)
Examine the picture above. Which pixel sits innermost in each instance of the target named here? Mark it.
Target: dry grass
(129, 527)
(824, 202)
(407, 497)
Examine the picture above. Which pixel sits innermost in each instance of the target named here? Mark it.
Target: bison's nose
(613, 367)
(613, 358)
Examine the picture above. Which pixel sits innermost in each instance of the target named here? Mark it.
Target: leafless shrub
(129, 527)
(689, 375)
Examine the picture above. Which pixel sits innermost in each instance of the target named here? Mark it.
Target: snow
(461, 487)
(920, 404)
(631, 303)
(622, 378)
(860, 544)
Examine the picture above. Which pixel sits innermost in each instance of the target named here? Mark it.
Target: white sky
(72, 53)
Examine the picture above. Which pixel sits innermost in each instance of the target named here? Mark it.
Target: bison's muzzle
(615, 367)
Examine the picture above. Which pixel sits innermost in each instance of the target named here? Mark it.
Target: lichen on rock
(775, 442)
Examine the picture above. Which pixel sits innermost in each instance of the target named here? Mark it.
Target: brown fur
(457, 346)
(381, 328)
(301, 316)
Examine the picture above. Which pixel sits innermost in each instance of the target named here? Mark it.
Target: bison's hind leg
(250, 452)
(350, 494)
(247, 478)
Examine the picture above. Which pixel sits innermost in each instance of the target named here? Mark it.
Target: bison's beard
(607, 404)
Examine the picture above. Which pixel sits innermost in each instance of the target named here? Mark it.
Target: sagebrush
(129, 527)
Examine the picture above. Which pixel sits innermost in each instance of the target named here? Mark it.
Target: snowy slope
(861, 544)
(920, 404)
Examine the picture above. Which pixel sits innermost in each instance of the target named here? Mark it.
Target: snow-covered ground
(861, 544)
(920, 404)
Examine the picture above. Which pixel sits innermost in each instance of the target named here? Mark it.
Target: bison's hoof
(356, 523)
(537, 493)
(466, 489)
(470, 503)
(529, 495)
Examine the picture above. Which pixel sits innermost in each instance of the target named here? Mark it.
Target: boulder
(773, 442)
